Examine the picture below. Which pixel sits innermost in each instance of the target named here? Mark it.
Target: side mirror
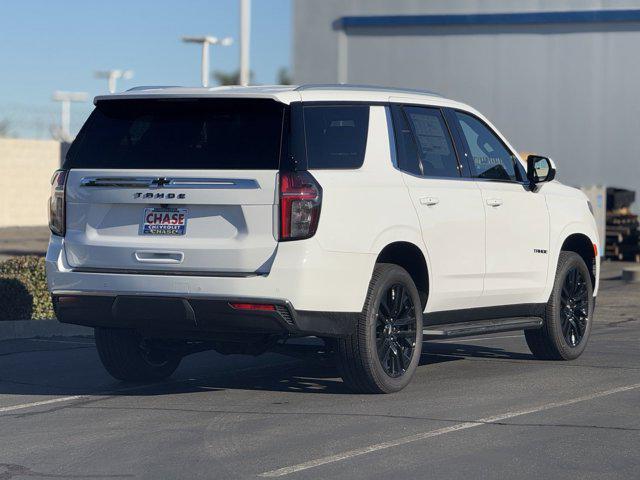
(540, 169)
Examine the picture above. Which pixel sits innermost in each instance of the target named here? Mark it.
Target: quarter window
(336, 135)
(424, 146)
(490, 157)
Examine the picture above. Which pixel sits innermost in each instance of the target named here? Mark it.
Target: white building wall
(27, 167)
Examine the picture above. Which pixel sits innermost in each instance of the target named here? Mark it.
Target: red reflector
(253, 306)
(595, 250)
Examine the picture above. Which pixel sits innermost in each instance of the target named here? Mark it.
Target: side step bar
(480, 327)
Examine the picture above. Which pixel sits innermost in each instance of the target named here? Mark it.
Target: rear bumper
(317, 293)
(302, 273)
(198, 318)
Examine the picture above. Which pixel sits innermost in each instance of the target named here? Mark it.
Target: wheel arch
(410, 257)
(581, 244)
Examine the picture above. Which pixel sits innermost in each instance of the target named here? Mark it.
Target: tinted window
(406, 150)
(180, 134)
(336, 135)
(436, 155)
(491, 159)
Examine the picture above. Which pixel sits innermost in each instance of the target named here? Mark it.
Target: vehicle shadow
(78, 372)
(465, 350)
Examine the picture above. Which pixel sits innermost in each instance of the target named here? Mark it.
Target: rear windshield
(180, 134)
(336, 135)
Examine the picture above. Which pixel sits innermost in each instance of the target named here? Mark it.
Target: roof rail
(151, 87)
(353, 86)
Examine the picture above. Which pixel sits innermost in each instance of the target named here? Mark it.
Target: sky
(48, 45)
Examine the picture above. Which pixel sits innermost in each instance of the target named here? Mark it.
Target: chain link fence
(19, 120)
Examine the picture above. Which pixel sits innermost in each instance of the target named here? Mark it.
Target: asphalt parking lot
(477, 408)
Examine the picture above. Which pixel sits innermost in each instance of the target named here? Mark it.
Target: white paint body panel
(476, 255)
(302, 272)
(227, 229)
(568, 216)
(517, 225)
(453, 230)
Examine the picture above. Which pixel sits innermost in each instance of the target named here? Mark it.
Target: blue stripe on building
(529, 18)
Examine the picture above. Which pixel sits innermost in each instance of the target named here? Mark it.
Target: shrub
(23, 289)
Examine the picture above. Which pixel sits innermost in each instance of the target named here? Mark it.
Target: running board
(480, 327)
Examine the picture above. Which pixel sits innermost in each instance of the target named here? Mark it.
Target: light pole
(206, 41)
(112, 77)
(245, 36)
(65, 113)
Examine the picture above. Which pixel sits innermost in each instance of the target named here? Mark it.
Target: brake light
(300, 201)
(253, 306)
(57, 207)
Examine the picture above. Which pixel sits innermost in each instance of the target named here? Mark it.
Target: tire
(558, 338)
(360, 364)
(125, 356)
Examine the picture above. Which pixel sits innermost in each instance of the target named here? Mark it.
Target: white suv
(231, 218)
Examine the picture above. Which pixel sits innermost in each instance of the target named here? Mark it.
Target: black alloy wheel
(396, 330)
(568, 314)
(574, 307)
(383, 352)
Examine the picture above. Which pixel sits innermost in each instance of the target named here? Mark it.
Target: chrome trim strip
(160, 182)
(231, 183)
(117, 182)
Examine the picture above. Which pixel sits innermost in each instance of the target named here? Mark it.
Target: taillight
(57, 203)
(300, 201)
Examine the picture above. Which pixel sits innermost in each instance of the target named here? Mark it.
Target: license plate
(164, 221)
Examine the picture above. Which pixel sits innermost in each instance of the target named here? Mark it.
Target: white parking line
(22, 406)
(106, 393)
(441, 431)
(11, 408)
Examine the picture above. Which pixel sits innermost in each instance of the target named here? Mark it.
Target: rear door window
(180, 134)
(423, 142)
(336, 135)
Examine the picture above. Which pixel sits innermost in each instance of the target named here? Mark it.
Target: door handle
(494, 202)
(430, 201)
(148, 256)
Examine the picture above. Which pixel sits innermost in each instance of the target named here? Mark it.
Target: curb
(16, 329)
